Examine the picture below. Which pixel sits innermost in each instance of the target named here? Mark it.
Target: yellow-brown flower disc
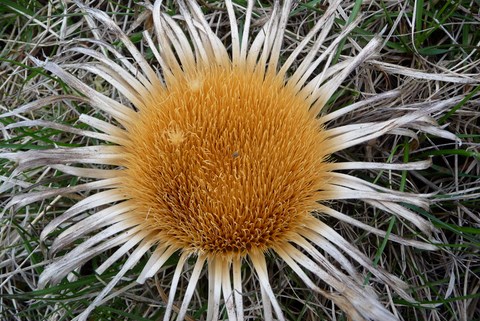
(225, 161)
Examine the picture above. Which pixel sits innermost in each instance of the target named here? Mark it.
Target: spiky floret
(224, 161)
(223, 158)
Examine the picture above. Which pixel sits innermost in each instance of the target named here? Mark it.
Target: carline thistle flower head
(222, 156)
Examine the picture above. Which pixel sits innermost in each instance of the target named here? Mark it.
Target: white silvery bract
(222, 156)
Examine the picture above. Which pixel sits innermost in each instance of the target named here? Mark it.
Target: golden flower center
(224, 161)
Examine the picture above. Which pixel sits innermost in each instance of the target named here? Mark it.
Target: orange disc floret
(225, 160)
